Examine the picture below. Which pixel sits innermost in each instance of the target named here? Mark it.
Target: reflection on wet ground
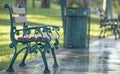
(101, 58)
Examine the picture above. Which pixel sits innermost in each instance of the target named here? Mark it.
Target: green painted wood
(76, 12)
(77, 28)
(75, 25)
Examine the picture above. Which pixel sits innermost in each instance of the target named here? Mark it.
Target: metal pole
(63, 4)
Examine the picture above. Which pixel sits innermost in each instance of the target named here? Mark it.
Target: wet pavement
(102, 58)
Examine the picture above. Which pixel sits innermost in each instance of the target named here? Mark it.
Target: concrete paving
(102, 58)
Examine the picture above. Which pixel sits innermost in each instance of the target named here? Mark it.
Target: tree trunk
(33, 3)
(45, 3)
(86, 3)
(106, 9)
(22, 2)
(109, 9)
(104, 5)
(68, 3)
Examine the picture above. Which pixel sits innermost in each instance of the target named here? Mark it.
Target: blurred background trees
(46, 3)
(21, 2)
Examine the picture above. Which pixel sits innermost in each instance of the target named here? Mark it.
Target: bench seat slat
(34, 38)
(20, 19)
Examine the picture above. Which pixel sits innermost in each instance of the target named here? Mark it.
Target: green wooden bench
(109, 25)
(35, 38)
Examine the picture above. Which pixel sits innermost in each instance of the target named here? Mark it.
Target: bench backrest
(109, 22)
(21, 18)
(17, 14)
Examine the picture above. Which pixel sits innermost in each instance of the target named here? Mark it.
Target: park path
(103, 58)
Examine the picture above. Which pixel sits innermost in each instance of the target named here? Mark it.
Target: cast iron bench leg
(23, 60)
(45, 61)
(100, 33)
(104, 33)
(114, 31)
(54, 58)
(10, 68)
(118, 32)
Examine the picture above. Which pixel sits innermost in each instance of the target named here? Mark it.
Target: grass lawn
(35, 16)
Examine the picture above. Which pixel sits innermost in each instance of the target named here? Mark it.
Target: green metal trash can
(77, 28)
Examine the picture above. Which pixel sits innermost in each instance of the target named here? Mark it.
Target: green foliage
(2, 2)
(95, 3)
(116, 6)
(55, 1)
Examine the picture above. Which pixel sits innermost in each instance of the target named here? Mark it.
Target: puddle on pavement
(102, 58)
